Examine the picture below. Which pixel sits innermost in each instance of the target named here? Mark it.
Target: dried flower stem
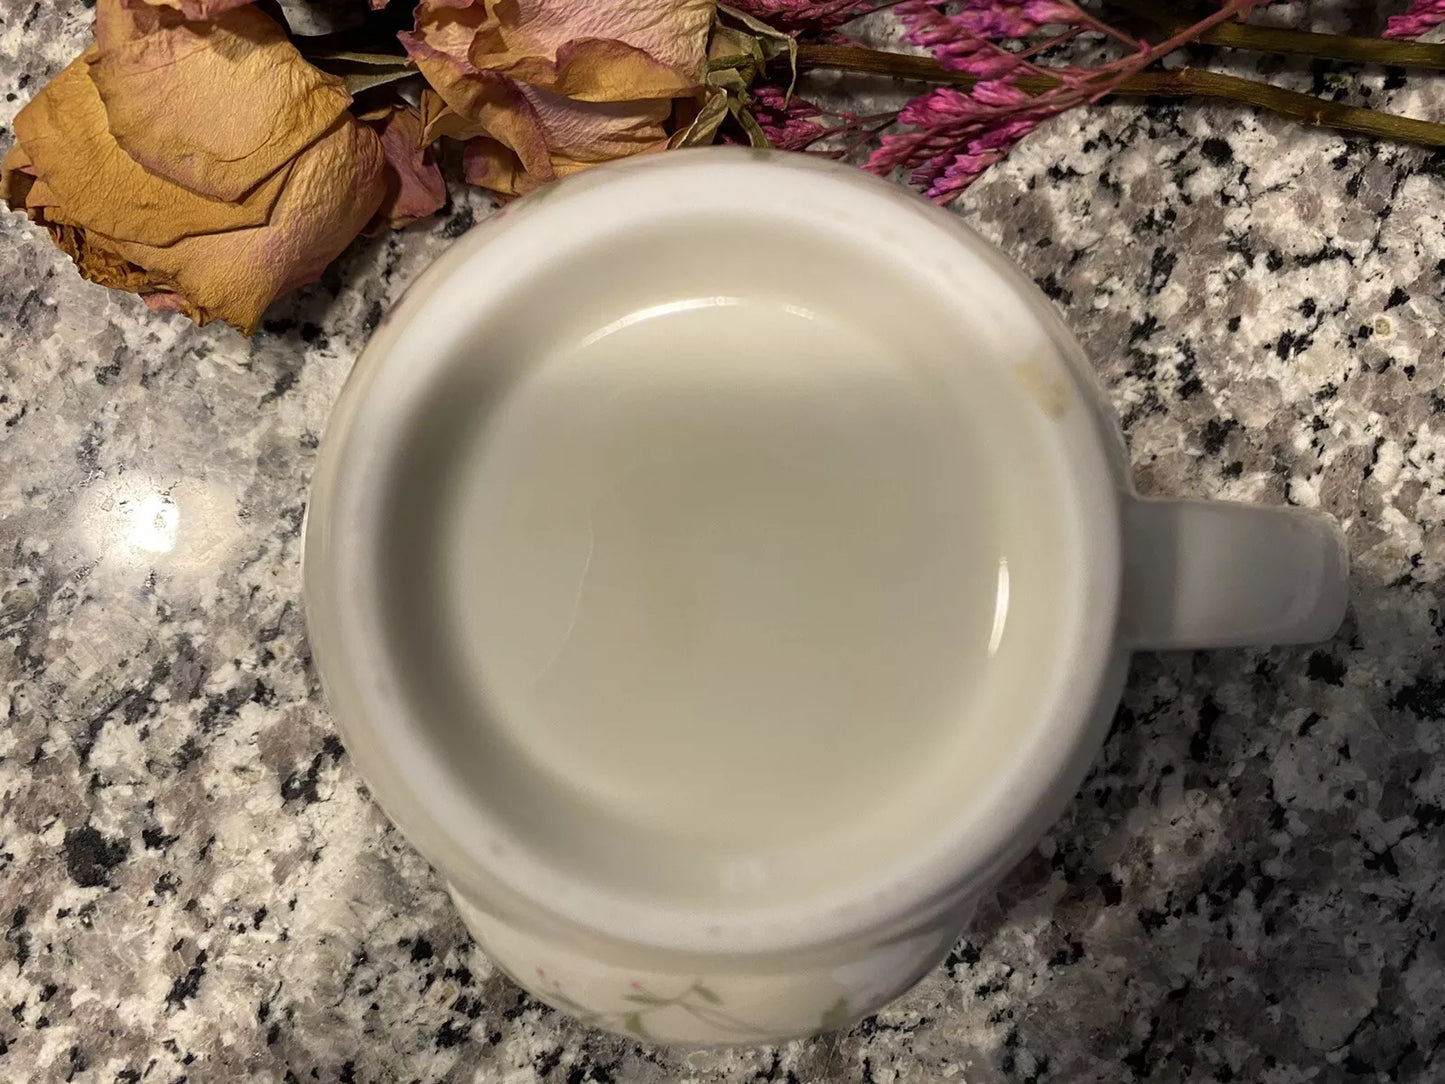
(1180, 83)
(1270, 39)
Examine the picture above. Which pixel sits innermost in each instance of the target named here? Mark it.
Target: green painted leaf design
(644, 999)
(632, 1024)
(706, 994)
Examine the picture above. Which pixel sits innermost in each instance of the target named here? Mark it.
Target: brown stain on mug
(1045, 388)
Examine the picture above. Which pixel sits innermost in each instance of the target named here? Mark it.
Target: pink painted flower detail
(1423, 16)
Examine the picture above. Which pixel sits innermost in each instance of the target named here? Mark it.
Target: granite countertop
(195, 886)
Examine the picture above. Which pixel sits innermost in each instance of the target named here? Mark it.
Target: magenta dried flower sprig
(1423, 16)
(805, 16)
(953, 134)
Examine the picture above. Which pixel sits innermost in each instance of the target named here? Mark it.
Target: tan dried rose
(203, 165)
(191, 9)
(544, 88)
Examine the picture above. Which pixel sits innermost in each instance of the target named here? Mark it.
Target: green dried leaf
(348, 56)
(356, 82)
(754, 131)
(703, 129)
(767, 44)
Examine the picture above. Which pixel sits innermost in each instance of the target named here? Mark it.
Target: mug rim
(470, 847)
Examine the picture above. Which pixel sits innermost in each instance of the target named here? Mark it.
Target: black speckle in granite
(1326, 252)
(1216, 433)
(189, 752)
(19, 936)
(91, 857)
(1424, 697)
(104, 374)
(1398, 296)
(1161, 268)
(156, 839)
(1209, 715)
(301, 785)
(282, 384)
(220, 707)
(453, 1033)
(373, 318)
(964, 954)
(1143, 329)
(1217, 150)
(87, 451)
(460, 221)
(1049, 284)
(293, 517)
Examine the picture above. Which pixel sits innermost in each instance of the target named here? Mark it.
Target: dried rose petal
(415, 187)
(190, 9)
(216, 107)
(66, 134)
(158, 227)
(335, 187)
(543, 88)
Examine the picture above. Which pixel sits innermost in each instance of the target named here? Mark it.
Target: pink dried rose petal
(215, 106)
(544, 88)
(415, 187)
(604, 50)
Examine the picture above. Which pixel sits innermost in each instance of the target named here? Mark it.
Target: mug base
(709, 1003)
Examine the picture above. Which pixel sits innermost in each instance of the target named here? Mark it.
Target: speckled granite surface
(194, 886)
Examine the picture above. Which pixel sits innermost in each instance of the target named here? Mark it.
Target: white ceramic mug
(723, 567)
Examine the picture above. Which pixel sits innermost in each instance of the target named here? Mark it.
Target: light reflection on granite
(194, 884)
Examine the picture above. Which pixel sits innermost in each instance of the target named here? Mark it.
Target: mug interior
(727, 541)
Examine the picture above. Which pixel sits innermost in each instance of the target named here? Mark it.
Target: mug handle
(1202, 574)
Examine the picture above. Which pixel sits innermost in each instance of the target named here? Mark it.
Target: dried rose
(191, 9)
(203, 165)
(545, 88)
(414, 184)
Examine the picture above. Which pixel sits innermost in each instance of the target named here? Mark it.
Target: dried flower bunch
(203, 156)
